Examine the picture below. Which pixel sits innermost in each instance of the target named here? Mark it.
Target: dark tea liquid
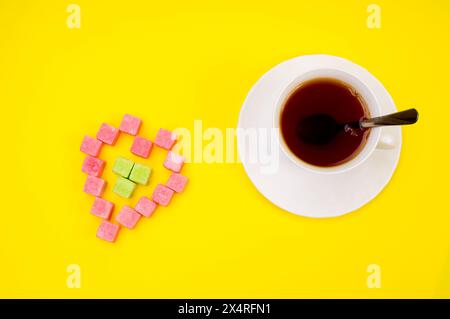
(331, 97)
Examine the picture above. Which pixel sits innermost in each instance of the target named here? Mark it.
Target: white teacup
(377, 138)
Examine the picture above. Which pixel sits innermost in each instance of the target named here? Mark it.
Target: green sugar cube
(140, 174)
(123, 166)
(124, 187)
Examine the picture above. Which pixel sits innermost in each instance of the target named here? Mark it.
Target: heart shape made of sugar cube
(130, 175)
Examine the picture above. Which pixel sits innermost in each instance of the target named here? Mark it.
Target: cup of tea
(336, 94)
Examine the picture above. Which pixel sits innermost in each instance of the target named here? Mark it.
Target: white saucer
(295, 189)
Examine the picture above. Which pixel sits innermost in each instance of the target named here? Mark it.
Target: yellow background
(171, 63)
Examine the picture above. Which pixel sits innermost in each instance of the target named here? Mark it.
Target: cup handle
(387, 141)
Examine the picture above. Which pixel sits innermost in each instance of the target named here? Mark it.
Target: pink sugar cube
(108, 134)
(130, 124)
(162, 195)
(174, 162)
(165, 139)
(128, 217)
(93, 166)
(145, 206)
(102, 208)
(141, 147)
(94, 186)
(177, 182)
(91, 146)
(108, 231)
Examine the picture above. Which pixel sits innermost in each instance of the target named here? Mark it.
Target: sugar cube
(140, 174)
(177, 182)
(165, 139)
(91, 146)
(108, 134)
(93, 166)
(130, 124)
(108, 231)
(123, 166)
(124, 187)
(141, 147)
(162, 195)
(102, 208)
(128, 217)
(145, 206)
(174, 162)
(94, 186)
